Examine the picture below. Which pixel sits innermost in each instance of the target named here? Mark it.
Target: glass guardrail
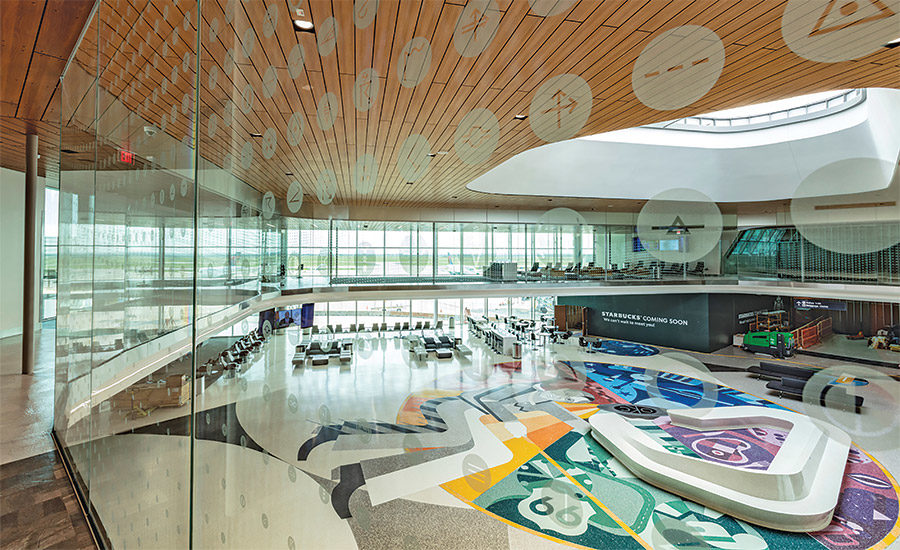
(810, 111)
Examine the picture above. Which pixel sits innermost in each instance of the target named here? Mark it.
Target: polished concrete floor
(472, 452)
(26, 401)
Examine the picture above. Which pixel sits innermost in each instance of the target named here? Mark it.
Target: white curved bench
(798, 492)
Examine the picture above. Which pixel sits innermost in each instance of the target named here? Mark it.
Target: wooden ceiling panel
(143, 44)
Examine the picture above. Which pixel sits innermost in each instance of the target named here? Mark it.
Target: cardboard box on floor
(174, 393)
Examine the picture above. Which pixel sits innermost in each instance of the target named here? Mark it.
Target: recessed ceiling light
(431, 154)
(409, 183)
(520, 117)
(303, 26)
(255, 135)
(288, 173)
(549, 200)
(454, 197)
(893, 43)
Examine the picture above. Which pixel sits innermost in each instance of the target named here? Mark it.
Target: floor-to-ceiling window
(51, 233)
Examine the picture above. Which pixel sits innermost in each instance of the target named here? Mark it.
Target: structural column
(31, 214)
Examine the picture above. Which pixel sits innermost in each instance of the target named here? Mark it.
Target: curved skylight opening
(769, 114)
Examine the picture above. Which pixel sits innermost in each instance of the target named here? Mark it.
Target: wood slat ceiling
(142, 48)
(36, 38)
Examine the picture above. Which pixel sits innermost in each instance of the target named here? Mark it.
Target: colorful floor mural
(628, 349)
(521, 453)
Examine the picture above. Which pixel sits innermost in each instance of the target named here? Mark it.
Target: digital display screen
(671, 245)
(809, 303)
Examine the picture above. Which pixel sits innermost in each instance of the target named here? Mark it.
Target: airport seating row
(319, 353)
(442, 346)
(239, 353)
(376, 328)
(790, 381)
(575, 271)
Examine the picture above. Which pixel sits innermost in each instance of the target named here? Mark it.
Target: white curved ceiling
(756, 165)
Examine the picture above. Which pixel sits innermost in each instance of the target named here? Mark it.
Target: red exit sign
(126, 156)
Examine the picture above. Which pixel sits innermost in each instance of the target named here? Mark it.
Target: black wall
(673, 320)
(724, 310)
(698, 322)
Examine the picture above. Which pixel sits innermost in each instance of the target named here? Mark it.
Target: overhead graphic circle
(246, 212)
(248, 41)
(559, 216)
(212, 124)
(839, 30)
(678, 67)
(294, 198)
(679, 225)
(365, 89)
(230, 9)
(247, 155)
(414, 62)
(365, 174)
(687, 365)
(269, 82)
(413, 261)
(365, 258)
(326, 36)
(184, 187)
(228, 113)
(547, 8)
(412, 158)
(270, 23)
(248, 98)
(295, 129)
(560, 107)
(849, 206)
(267, 207)
(296, 59)
(476, 472)
(327, 111)
(172, 192)
(833, 394)
(476, 136)
(228, 61)
(322, 260)
(326, 186)
(213, 77)
(364, 12)
(213, 28)
(269, 143)
(476, 27)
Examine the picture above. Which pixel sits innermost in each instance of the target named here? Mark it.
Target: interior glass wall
(126, 271)
(172, 232)
(49, 253)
